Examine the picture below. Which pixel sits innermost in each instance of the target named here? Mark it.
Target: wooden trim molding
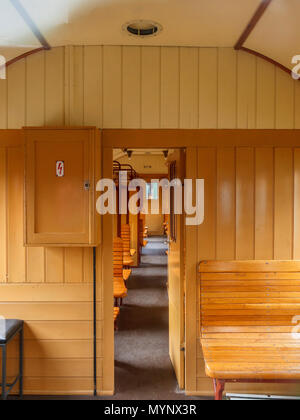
(27, 54)
(253, 22)
(264, 57)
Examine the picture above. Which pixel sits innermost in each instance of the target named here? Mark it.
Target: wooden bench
(248, 311)
(120, 290)
(125, 235)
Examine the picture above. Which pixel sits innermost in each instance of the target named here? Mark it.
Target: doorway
(149, 341)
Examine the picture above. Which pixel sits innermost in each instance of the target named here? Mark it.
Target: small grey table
(9, 328)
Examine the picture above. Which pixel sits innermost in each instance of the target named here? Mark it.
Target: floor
(143, 367)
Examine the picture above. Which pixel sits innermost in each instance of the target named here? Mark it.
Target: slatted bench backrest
(249, 296)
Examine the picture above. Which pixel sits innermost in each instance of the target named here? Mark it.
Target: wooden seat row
(249, 319)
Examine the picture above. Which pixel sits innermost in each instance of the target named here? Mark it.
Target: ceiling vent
(142, 28)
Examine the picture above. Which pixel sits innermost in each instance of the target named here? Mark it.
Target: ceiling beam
(252, 24)
(31, 24)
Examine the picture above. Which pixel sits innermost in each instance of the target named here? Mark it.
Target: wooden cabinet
(62, 167)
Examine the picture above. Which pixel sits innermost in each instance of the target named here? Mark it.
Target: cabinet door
(60, 171)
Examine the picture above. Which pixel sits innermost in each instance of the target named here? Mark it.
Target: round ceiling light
(142, 28)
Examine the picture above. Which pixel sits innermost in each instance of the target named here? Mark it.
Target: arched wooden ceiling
(275, 30)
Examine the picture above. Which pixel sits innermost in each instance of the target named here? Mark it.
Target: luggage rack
(123, 167)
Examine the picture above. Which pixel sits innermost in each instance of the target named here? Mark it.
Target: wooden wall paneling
(170, 102)
(54, 265)
(150, 87)
(297, 105)
(208, 88)
(112, 87)
(3, 209)
(105, 285)
(189, 88)
(296, 250)
(131, 87)
(283, 204)
(93, 86)
(16, 94)
(227, 88)
(265, 95)
(245, 204)
(15, 183)
(264, 203)
(285, 100)
(3, 104)
(226, 203)
(191, 276)
(77, 102)
(55, 87)
(207, 170)
(35, 116)
(87, 265)
(73, 264)
(246, 90)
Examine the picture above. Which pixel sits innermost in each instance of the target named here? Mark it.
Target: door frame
(118, 139)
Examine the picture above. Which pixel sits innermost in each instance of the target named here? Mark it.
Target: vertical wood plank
(3, 104)
(207, 170)
(296, 250)
(35, 88)
(73, 265)
(3, 205)
(93, 86)
(189, 88)
(245, 204)
(226, 199)
(283, 204)
(285, 100)
(208, 88)
(112, 87)
(169, 87)
(15, 247)
(87, 265)
(150, 95)
(246, 108)
(77, 97)
(191, 285)
(54, 87)
(16, 95)
(297, 105)
(35, 258)
(264, 199)
(227, 88)
(265, 94)
(54, 265)
(131, 92)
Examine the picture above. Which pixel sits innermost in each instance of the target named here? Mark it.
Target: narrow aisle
(143, 367)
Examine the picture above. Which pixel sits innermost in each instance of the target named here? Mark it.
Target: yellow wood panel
(60, 330)
(150, 85)
(226, 204)
(207, 231)
(285, 100)
(265, 95)
(246, 105)
(227, 88)
(54, 270)
(131, 87)
(54, 87)
(245, 203)
(189, 88)
(58, 386)
(35, 265)
(296, 250)
(208, 88)
(35, 83)
(87, 265)
(93, 86)
(15, 185)
(264, 207)
(283, 204)
(16, 95)
(73, 265)
(112, 87)
(47, 311)
(3, 229)
(170, 87)
(297, 105)
(46, 292)
(77, 103)
(3, 103)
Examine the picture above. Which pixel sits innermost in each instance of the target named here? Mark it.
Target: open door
(176, 163)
